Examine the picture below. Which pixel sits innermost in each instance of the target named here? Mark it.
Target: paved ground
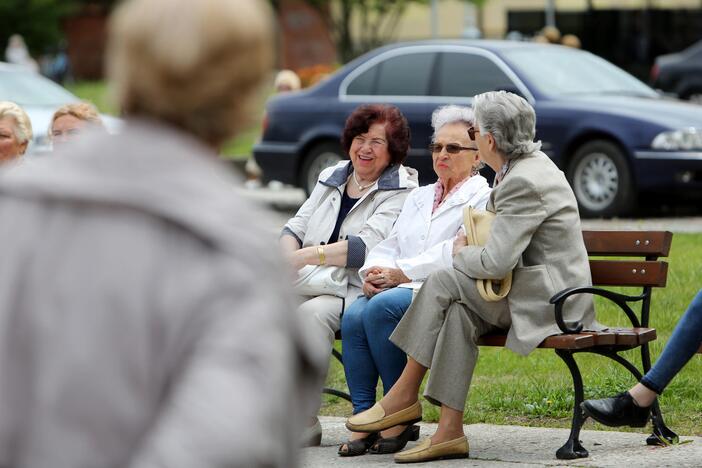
(514, 446)
(285, 201)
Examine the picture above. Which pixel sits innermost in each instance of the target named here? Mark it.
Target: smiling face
(65, 128)
(452, 168)
(369, 152)
(10, 147)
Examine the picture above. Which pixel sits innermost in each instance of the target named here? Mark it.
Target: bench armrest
(620, 299)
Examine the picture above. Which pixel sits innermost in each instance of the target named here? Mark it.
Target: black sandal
(358, 446)
(395, 444)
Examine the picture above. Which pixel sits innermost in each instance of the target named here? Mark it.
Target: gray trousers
(440, 331)
(326, 311)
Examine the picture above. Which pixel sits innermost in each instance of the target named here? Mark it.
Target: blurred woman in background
(71, 119)
(15, 131)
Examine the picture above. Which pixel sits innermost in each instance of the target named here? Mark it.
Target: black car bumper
(278, 161)
(679, 171)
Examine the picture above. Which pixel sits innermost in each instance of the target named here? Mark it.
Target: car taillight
(654, 72)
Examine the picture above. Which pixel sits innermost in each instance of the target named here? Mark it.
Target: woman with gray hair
(15, 131)
(420, 242)
(536, 232)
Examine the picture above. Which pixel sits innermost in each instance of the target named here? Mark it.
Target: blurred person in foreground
(633, 407)
(72, 119)
(143, 318)
(420, 242)
(15, 131)
(536, 232)
(352, 207)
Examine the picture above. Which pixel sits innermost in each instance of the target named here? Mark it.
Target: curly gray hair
(511, 121)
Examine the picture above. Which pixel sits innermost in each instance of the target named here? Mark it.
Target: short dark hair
(396, 128)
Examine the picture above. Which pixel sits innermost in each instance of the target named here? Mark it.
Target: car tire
(601, 179)
(318, 158)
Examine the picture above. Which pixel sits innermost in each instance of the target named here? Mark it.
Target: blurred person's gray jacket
(144, 320)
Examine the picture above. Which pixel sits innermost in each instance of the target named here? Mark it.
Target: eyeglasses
(471, 133)
(451, 148)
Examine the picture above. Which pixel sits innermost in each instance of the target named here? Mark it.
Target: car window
(403, 75)
(466, 74)
(557, 71)
(31, 89)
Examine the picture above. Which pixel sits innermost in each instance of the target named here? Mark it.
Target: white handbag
(317, 280)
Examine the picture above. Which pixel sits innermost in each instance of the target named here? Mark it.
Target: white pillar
(550, 12)
(434, 19)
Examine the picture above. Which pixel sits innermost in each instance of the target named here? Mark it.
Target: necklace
(358, 184)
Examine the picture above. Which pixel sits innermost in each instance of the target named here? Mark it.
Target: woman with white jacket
(421, 242)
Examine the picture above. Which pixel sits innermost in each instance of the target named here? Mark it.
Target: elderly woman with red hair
(351, 209)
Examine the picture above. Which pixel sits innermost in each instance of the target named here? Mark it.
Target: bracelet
(322, 257)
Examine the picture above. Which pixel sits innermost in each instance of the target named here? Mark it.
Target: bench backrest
(647, 246)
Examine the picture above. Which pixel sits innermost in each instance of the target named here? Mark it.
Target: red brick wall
(303, 37)
(86, 37)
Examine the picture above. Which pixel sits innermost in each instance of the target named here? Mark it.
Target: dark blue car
(612, 135)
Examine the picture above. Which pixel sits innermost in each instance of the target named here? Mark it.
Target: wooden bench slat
(609, 337)
(628, 273)
(628, 243)
(700, 350)
(574, 341)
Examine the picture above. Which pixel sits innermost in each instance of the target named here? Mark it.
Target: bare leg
(642, 395)
(450, 425)
(405, 392)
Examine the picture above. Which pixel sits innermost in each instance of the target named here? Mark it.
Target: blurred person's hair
(552, 33)
(80, 110)
(23, 126)
(193, 64)
(287, 80)
(540, 39)
(571, 40)
(510, 120)
(397, 129)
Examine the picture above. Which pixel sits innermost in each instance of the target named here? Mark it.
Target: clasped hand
(379, 279)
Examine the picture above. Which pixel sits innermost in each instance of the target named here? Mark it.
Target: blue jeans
(368, 353)
(683, 344)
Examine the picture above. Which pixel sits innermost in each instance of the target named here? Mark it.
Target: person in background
(633, 407)
(536, 234)
(420, 242)
(18, 54)
(286, 80)
(352, 207)
(571, 40)
(71, 119)
(15, 131)
(144, 319)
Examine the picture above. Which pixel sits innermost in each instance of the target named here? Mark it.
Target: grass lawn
(537, 390)
(238, 148)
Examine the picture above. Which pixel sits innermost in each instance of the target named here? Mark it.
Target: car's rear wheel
(601, 180)
(318, 158)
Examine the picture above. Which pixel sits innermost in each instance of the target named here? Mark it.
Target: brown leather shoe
(425, 451)
(375, 420)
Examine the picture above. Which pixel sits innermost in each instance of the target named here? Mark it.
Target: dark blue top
(346, 205)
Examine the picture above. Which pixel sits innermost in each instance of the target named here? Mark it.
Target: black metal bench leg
(662, 435)
(331, 391)
(573, 448)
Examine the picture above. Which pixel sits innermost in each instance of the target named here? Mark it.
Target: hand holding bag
(317, 280)
(477, 225)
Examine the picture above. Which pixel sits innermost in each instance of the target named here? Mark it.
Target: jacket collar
(389, 179)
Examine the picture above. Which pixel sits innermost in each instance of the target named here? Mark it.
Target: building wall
(416, 23)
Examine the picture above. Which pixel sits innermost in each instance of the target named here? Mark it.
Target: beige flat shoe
(374, 419)
(425, 451)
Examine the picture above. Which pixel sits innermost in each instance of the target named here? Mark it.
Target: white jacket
(422, 242)
(369, 221)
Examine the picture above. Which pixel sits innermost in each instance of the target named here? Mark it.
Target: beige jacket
(537, 230)
(144, 319)
(369, 221)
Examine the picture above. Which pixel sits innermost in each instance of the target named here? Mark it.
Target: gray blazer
(537, 230)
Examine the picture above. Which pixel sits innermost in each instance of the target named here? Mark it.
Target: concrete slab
(503, 446)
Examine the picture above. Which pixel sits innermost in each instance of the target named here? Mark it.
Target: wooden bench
(639, 268)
